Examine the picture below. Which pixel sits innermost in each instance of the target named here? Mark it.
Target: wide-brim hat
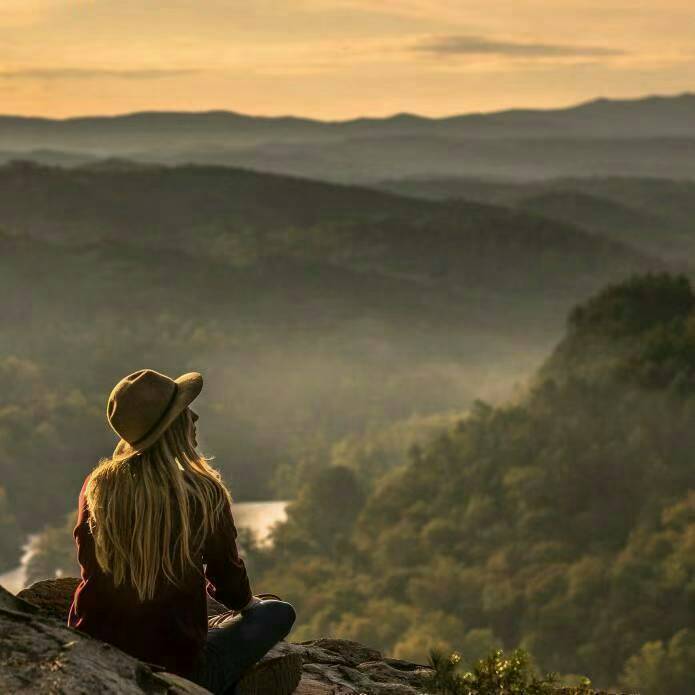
(145, 403)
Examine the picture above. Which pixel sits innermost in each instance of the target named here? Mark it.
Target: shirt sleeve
(227, 580)
(86, 555)
(84, 541)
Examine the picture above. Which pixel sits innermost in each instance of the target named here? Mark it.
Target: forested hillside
(563, 522)
(239, 218)
(655, 216)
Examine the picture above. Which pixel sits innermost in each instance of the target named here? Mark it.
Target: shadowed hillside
(238, 217)
(655, 216)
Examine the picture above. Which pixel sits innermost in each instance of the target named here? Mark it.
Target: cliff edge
(40, 654)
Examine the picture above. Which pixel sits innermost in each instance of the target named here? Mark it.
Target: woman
(155, 535)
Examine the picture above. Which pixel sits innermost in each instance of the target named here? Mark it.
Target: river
(260, 517)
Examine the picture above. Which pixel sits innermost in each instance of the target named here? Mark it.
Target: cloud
(479, 45)
(92, 74)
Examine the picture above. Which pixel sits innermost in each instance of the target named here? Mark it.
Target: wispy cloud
(479, 45)
(92, 74)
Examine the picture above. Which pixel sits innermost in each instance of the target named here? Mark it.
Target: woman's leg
(242, 641)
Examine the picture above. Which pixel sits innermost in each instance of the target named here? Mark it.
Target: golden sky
(335, 59)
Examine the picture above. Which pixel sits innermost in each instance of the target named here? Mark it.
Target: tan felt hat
(143, 404)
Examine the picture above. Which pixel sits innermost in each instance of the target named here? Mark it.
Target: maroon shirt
(171, 629)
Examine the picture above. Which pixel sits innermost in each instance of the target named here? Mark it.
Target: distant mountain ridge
(653, 136)
(657, 115)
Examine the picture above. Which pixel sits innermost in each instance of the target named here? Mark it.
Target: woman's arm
(86, 555)
(84, 541)
(225, 571)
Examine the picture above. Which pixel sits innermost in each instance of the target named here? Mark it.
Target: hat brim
(188, 387)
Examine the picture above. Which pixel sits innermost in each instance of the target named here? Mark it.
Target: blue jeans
(241, 642)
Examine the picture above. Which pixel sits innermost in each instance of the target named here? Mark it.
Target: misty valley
(468, 369)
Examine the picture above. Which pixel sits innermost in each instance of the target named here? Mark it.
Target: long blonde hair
(141, 509)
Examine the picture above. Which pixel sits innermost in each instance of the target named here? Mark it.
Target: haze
(337, 59)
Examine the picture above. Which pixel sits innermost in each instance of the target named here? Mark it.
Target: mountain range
(653, 136)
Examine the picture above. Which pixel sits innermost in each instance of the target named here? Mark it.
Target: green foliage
(321, 518)
(663, 667)
(635, 307)
(640, 331)
(493, 675)
(47, 434)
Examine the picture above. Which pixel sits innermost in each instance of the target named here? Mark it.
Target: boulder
(54, 596)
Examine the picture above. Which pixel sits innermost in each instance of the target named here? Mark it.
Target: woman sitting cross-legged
(155, 534)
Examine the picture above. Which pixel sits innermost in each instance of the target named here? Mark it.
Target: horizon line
(398, 114)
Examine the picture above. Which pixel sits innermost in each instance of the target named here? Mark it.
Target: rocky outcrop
(39, 654)
(55, 658)
(341, 667)
(54, 596)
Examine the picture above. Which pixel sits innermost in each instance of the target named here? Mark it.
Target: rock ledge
(40, 654)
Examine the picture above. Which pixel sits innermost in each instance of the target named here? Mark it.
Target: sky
(338, 59)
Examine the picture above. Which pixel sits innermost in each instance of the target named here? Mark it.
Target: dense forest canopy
(562, 522)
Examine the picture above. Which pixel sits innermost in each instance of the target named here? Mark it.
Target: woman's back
(170, 628)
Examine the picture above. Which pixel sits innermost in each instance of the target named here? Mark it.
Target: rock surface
(341, 667)
(331, 667)
(54, 596)
(39, 654)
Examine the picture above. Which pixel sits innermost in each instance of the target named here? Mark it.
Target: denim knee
(281, 614)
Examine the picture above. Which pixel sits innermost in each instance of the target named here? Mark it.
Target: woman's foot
(274, 676)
